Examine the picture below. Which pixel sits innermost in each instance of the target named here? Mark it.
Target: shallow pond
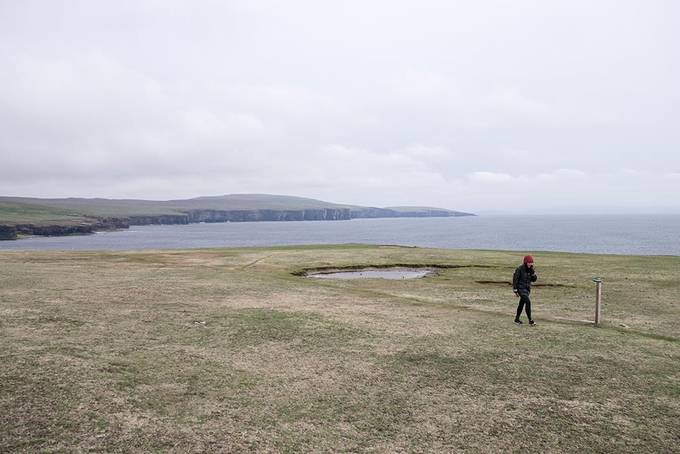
(387, 273)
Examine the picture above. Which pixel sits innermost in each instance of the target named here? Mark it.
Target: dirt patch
(305, 272)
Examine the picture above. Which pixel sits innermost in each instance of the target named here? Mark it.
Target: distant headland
(71, 216)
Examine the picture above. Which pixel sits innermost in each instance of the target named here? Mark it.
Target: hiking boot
(518, 321)
(532, 323)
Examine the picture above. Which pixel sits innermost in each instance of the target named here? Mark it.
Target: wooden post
(598, 300)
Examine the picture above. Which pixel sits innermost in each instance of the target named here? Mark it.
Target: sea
(608, 234)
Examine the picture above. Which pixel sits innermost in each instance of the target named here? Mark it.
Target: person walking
(521, 284)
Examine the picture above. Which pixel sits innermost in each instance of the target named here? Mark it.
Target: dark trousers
(524, 302)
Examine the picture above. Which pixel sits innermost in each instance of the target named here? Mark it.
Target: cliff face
(390, 213)
(427, 214)
(323, 214)
(54, 230)
(90, 225)
(373, 213)
(192, 216)
(8, 232)
(160, 219)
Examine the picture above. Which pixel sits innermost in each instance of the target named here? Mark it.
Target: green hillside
(23, 213)
(253, 202)
(99, 207)
(25, 209)
(130, 207)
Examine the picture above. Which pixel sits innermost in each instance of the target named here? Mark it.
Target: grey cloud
(460, 104)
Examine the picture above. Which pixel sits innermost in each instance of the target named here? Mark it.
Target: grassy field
(19, 213)
(125, 208)
(86, 207)
(229, 350)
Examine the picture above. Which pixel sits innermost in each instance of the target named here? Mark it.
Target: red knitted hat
(528, 259)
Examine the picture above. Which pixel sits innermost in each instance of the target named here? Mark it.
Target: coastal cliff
(11, 232)
(209, 215)
(322, 214)
(159, 219)
(8, 232)
(411, 213)
(53, 217)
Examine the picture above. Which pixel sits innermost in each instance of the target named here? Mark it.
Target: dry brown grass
(227, 350)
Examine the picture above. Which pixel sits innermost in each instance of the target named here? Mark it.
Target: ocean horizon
(602, 234)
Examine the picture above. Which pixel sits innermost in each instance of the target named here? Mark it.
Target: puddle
(368, 273)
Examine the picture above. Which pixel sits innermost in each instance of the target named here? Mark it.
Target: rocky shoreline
(92, 225)
(12, 232)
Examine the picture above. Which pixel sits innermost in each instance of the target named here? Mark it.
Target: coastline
(617, 235)
(11, 231)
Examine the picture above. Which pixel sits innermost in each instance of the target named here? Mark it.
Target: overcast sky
(484, 106)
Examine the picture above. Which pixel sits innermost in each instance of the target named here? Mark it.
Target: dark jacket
(522, 279)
